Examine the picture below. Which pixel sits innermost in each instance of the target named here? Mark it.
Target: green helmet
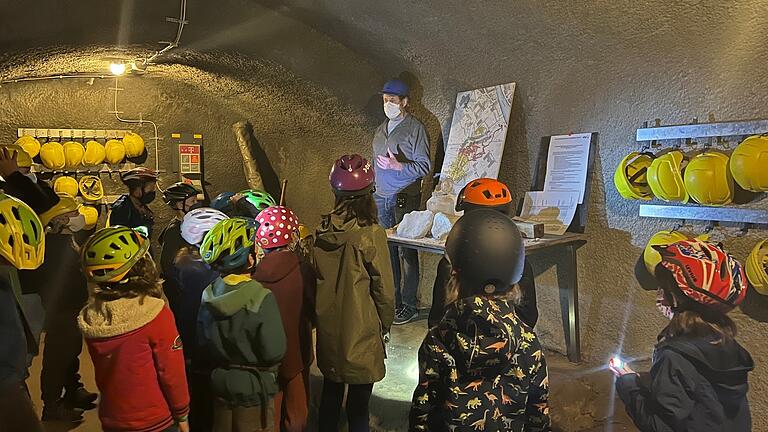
(251, 202)
(111, 252)
(229, 243)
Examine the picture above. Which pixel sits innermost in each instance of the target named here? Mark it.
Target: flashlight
(616, 362)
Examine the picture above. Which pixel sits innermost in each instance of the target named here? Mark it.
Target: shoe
(62, 411)
(81, 398)
(405, 315)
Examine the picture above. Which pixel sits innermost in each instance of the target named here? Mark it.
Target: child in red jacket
(132, 337)
(292, 282)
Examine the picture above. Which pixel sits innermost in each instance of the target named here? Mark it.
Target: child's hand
(184, 426)
(621, 369)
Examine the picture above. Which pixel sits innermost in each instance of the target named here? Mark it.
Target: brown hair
(362, 207)
(693, 320)
(143, 279)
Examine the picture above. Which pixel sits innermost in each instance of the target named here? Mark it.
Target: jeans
(358, 397)
(391, 212)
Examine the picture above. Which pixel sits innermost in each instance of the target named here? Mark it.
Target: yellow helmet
(22, 157)
(91, 215)
(52, 155)
(134, 144)
(630, 176)
(91, 188)
(757, 267)
(748, 164)
(114, 151)
(708, 179)
(651, 256)
(94, 153)
(304, 231)
(20, 224)
(665, 177)
(30, 144)
(73, 154)
(65, 184)
(66, 204)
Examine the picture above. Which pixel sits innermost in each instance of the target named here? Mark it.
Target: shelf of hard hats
(104, 169)
(73, 133)
(705, 213)
(703, 130)
(105, 200)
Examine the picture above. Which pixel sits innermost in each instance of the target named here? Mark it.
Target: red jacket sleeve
(169, 362)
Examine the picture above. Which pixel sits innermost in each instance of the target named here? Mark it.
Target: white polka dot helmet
(277, 225)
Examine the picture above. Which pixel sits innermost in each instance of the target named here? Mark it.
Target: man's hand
(388, 162)
(8, 164)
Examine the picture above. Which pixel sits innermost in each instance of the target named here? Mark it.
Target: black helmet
(179, 191)
(485, 248)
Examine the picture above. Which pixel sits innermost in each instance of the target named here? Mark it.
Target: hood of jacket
(275, 266)
(103, 319)
(233, 293)
(480, 333)
(725, 365)
(334, 232)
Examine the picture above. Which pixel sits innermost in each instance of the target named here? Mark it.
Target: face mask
(147, 197)
(392, 110)
(31, 176)
(76, 223)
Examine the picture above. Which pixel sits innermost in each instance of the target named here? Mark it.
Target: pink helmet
(277, 224)
(352, 175)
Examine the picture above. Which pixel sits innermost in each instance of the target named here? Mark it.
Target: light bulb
(117, 69)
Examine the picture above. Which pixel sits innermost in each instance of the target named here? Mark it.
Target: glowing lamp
(117, 69)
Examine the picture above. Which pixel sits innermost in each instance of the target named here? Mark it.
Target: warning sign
(189, 158)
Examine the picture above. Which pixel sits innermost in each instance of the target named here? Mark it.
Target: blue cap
(395, 87)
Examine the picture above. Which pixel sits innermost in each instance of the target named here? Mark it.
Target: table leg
(571, 307)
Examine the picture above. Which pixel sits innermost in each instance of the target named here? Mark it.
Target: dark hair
(693, 320)
(361, 207)
(143, 279)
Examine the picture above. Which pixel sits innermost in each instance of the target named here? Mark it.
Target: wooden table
(569, 282)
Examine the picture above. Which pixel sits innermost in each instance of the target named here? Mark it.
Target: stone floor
(582, 397)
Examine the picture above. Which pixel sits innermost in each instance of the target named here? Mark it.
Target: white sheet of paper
(567, 164)
(554, 209)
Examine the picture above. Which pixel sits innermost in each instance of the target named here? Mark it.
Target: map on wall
(478, 132)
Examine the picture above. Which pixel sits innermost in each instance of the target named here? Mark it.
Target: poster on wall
(477, 136)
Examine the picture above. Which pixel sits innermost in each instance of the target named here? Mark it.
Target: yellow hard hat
(30, 144)
(22, 157)
(91, 215)
(20, 224)
(708, 179)
(134, 144)
(757, 267)
(651, 257)
(749, 164)
(94, 153)
(304, 232)
(52, 155)
(114, 151)
(665, 177)
(630, 176)
(65, 184)
(66, 204)
(73, 154)
(91, 188)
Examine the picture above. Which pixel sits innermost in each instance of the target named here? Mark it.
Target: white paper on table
(554, 209)
(567, 164)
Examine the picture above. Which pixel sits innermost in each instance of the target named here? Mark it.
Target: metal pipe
(244, 135)
(140, 122)
(51, 77)
(182, 20)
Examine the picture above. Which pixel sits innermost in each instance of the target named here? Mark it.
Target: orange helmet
(486, 193)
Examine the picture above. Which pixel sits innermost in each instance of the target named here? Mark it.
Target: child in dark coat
(698, 381)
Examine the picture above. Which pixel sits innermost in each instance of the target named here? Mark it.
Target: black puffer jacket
(695, 385)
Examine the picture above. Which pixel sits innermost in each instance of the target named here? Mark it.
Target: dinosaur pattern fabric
(481, 368)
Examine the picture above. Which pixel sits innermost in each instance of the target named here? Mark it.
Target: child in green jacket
(239, 326)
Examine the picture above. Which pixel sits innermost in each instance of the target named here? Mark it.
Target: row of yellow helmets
(67, 203)
(756, 265)
(707, 178)
(70, 155)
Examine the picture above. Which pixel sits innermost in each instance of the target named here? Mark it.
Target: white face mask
(31, 176)
(392, 110)
(76, 223)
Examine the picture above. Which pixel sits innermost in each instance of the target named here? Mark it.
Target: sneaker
(405, 315)
(81, 398)
(62, 411)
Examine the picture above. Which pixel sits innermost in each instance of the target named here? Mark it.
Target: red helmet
(484, 192)
(352, 175)
(705, 273)
(141, 174)
(277, 224)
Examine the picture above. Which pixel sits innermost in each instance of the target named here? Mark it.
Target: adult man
(401, 149)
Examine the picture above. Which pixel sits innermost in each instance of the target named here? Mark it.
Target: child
(250, 202)
(355, 296)
(698, 381)
(131, 336)
(239, 326)
(482, 367)
(193, 276)
(132, 209)
(293, 285)
(489, 194)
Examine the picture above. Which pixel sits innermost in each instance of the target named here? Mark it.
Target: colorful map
(478, 132)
